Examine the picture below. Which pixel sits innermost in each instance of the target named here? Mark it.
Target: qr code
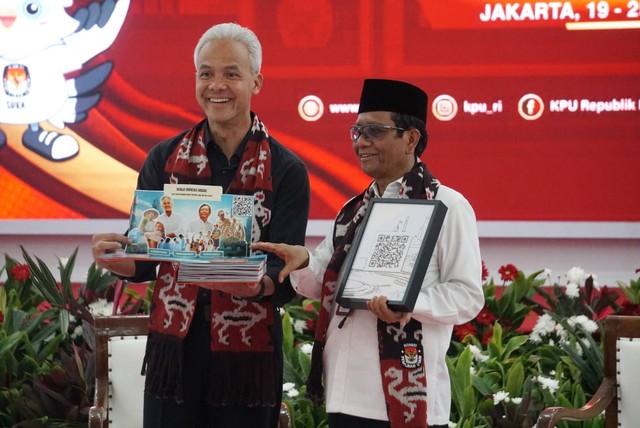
(242, 206)
(389, 251)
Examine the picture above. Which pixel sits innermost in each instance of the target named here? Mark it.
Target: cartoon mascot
(39, 44)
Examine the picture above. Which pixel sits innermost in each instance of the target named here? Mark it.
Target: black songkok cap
(393, 96)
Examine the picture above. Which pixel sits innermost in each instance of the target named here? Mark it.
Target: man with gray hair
(214, 358)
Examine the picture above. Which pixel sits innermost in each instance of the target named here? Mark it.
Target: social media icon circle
(444, 107)
(311, 108)
(530, 107)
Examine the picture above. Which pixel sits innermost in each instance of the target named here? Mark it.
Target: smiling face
(388, 157)
(225, 83)
(204, 212)
(167, 205)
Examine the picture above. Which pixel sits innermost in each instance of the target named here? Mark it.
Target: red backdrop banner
(533, 109)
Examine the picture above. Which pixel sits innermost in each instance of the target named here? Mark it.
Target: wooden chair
(119, 350)
(619, 393)
(119, 396)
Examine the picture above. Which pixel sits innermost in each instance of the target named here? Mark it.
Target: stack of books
(241, 270)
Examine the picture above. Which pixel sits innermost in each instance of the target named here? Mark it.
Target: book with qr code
(198, 226)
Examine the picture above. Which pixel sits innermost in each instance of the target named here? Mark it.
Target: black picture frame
(395, 241)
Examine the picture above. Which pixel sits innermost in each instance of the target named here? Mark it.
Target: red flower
(1, 317)
(631, 309)
(461, 331)
(21, 272)
(90, 296)
(486, 337)
(508, 272)
(485, 317)
(485, 272)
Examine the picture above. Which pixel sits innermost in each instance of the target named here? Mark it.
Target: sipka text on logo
(15, 105)
(537, 11)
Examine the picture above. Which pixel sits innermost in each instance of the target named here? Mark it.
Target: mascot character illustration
(39, 44)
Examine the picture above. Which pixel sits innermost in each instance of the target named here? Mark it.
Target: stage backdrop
(533, 107)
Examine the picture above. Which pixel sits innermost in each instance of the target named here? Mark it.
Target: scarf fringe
(243, 379)
(164, 361)
(315, 388)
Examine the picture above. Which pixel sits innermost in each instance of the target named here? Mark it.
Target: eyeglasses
(371, 132)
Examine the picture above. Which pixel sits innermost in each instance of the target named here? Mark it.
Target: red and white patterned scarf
(241, 330)
(402, 366)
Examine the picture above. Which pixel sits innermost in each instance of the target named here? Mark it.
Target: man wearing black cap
(365, 383)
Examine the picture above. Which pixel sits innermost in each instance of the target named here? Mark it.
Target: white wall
(609, 250)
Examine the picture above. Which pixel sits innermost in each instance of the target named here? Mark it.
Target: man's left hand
(378, 305)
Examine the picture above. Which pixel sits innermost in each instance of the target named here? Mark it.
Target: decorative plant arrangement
(535, 344)
(46, 340)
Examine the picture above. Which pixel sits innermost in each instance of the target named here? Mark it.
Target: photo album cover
(206, 231)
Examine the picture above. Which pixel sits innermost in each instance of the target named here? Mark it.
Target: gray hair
(238, 33)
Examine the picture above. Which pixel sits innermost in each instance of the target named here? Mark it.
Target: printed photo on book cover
(162, 224)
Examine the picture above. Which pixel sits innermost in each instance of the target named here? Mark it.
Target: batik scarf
(402, 366)
(241, 330)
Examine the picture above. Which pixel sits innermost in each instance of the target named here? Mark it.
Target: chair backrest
(119, 352)
(622, 361)
(619, 393)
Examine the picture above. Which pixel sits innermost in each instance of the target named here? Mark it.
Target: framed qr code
(391, 252)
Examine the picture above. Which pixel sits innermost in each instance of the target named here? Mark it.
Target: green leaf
(515, 380)
(468, 401)
(65, 275)
(514, 344)
(8, 343)
(287, 331)
(304, 361)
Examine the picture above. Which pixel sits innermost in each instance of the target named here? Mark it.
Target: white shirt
(451, 294)
(198, 225)
(172, 224)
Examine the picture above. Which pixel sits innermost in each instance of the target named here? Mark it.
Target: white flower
(293, 393)
(545, 324)
(101, 308)
(500, 396)
(544, 327)
(584, 323)
(572, 290)
(287, 386)
(77, 332)
(563, 336)
(576, 275)
(299, 325)
(516, 400)
(472, 370)
(535, 338)
(306, 348)
(547, 383)
(477, 354)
